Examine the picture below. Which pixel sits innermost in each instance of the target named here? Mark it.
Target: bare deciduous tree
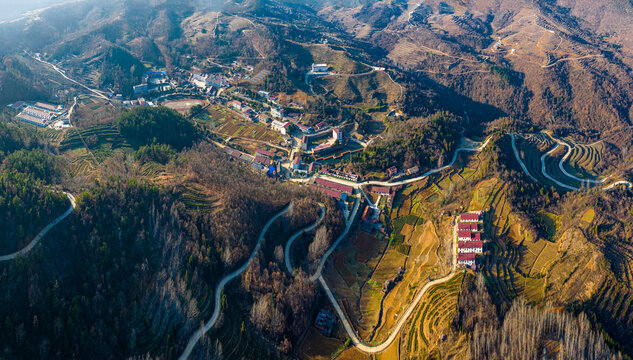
(319, 244)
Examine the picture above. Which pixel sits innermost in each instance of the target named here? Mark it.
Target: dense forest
(146, 125)
(144, 274)
(425, 142)
(26, 202)
(121, 70)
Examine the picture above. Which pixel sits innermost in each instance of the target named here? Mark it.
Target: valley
(330, 179)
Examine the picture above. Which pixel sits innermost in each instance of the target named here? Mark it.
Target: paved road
(412, 180)
(41, 234)
(318, 275)
(516, 155)
(373, 349)
(62, 73)
(547, 176)
(562, 161)
(218, 290)
(327, 254)
(560, 165)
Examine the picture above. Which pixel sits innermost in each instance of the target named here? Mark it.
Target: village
(271, 134)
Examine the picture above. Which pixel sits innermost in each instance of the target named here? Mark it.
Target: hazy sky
(10, 9)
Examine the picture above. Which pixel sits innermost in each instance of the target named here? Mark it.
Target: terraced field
(81, 163)
(584, 159)
(530, 151)
(54, 136)
(518, 260)
(197, 198)
(613, 302)
(102, 140)
(433, 316)
(152, 169)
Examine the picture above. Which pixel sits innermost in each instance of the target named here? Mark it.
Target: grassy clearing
(337, 60)
(588, 216)
(552, 223)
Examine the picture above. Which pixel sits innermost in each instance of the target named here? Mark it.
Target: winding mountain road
(426, 174)
(42, 233)
(193, 340)
(567, 155)
(562, 168)
(318, 275)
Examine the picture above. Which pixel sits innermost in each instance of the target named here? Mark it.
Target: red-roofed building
(235, 104)
(262, 160)
(468, 226)
(392, 171)
(335, 194)
(335, 186)
(466, 259)
(476, 237)
(466, 247)
(367, 214)
(264, 153)
(296, 163)
(381, 190)
(470, 217)
(384, 191)
(320, 126)
(464, 235)
(311, 167)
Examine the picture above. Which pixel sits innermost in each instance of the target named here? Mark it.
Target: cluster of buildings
(334, 189)
(207, 82)
(243, 110)
(153, 81)
(469, 241)
(40, 114)
(263, 162)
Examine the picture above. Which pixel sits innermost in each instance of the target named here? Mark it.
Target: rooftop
(470, 244)
(334, 185)
(466, 257)
(265, 153)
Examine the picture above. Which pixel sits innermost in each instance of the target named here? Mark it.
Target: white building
(277, 112)
(317, 68)
(282, 127)
(337, 134)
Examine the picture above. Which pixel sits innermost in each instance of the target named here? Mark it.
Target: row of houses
(40, 114)
(334, 189)
(469, 240)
